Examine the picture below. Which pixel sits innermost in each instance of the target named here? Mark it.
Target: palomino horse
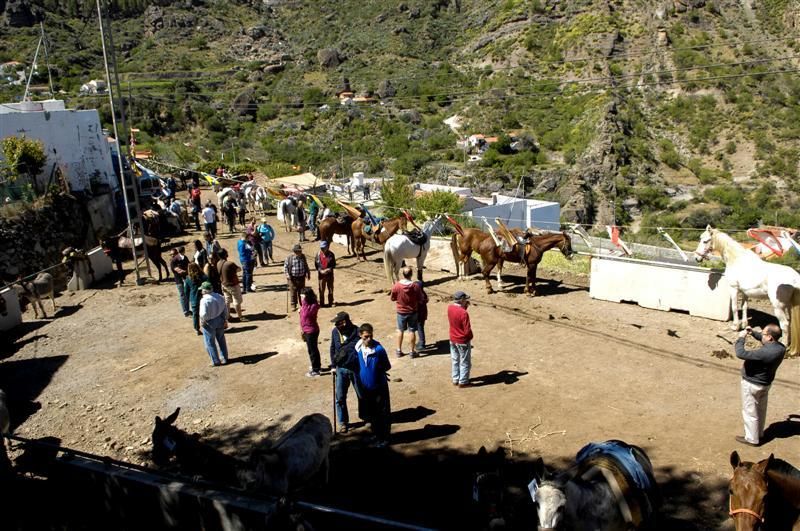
(287, 209)
(747, 274)
(277, 468)
(401, 247)
(754, 484)
(612, 488)
(528, 251)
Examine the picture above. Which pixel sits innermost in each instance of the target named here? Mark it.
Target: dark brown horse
(764, 494)
(529, 252)
(119, 249)
(331, 225)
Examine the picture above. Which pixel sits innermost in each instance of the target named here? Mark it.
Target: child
(309, 307)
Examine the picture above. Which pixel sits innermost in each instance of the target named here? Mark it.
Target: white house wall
(545, 216)
(72, 139)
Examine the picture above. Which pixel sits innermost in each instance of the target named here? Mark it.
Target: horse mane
(729, 248)
(784, 468)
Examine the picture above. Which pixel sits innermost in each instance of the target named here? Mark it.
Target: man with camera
(758, 372)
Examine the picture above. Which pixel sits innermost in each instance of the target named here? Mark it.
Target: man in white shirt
(214, 321)
(210, 219)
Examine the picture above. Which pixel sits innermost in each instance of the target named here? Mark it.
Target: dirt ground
(551, 372)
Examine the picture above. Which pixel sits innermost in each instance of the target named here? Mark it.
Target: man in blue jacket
(373, 385)
(344, 337)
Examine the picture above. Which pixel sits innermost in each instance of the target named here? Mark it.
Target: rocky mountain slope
(674, 112)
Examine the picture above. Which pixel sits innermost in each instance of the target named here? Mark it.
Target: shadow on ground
(23, 381)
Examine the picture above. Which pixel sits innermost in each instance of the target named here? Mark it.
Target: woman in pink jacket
(309, 307)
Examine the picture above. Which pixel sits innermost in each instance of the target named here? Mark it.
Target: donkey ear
(171, 418)
(735, 459)
(538, 468)
(482, 452)
(764, 465)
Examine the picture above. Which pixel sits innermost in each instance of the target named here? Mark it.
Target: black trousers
(375, 407)
(312, 341)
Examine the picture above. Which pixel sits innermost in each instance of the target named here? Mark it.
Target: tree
(23, 158)
(398, 193)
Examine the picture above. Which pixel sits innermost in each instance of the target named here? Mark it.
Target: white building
(73, 141)
(458, 190)
(520, 213)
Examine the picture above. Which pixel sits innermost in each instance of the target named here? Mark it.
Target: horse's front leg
(735, 309)
(530, 281)
(486, 271)
(53, 300)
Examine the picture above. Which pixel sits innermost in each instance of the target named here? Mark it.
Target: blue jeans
(247, 276)
(183, 296)
(461, 358)
(344, 377)
(266, 248)
(213, 334)
(420, 335)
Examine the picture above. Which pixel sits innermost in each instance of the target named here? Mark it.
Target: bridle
(733, 512)
(707, 248)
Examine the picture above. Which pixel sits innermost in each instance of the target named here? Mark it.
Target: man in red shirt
(407, 295)
(460, 339)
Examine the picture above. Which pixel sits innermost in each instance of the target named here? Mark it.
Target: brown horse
(529, 252)
(463, 243)
(380, 233)
(765, 494)
(331, 225)
(120, 248)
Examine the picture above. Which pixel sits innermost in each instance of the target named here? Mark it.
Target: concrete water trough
(661, 286)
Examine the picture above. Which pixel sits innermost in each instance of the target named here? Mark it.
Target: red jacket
(408, 295)
(460, 328)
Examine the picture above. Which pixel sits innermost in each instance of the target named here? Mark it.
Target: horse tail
(794, 324)
(388, 264)
(455, 225)
(456, 252)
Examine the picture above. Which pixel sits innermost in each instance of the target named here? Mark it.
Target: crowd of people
(211, 287)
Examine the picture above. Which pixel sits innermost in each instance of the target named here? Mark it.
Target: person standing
(197, 205)
(301, 218)
(325, 263)
(313, 212)
(194, 279)
(407, 295)
(267, 234)
(758, 372)
(214, 320)
(373, 385)
(422, 316)
(366, 191)
(247, 259)
(242, 211)
(200, 254)
(230, 214)
(212, 246)
(344, 337)
(210, 220)
(212, 273)
(179, 265)
(460, 339)
(296, 270)
(229, 276)
(309, 328)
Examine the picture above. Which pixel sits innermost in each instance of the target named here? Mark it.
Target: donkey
(282, 468)
(40, 287)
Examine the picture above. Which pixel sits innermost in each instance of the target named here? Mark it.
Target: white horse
(399, 247)
(753, 277)
(287, 209)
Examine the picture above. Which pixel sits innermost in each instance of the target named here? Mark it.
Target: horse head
(165, 439)
(748, 492)
(706, 244)
(487, 487)
(566, 246)
(550, 500)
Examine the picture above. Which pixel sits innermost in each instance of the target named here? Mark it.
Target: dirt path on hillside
(552, 372)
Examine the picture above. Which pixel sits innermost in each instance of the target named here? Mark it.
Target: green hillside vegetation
(693, 113)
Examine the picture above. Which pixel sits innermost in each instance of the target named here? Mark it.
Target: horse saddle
(620, 466)
(417, 237)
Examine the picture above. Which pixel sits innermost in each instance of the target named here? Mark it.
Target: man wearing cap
(344, 337)
(325, 263)
(460, 339)
(179, 264)
(267, 234)
(214, 320)
(296, 270)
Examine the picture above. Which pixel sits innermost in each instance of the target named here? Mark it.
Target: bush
(669, 155)
(398, 193)
(438, 202)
